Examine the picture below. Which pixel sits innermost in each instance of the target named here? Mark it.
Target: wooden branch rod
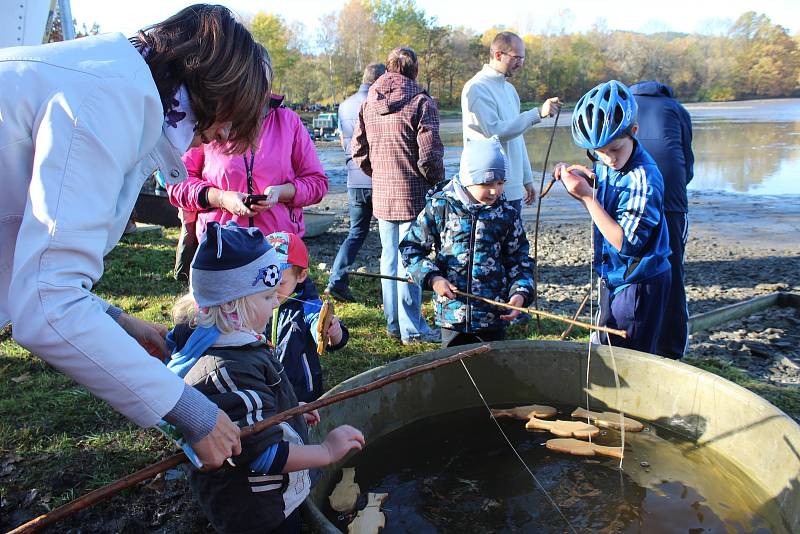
(620, 333)
(93, 497)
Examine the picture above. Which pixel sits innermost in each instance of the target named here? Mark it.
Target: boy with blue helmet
(631, 244)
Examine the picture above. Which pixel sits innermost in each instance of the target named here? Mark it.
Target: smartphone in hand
(249, 200)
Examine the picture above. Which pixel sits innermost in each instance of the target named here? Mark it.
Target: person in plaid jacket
(396, 142)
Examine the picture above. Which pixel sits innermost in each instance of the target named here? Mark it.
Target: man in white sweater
(490, 106)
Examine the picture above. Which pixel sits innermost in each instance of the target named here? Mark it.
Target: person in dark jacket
(294, 324)
(480, 248)
(665, 131)
(220, 349)
(396, 142)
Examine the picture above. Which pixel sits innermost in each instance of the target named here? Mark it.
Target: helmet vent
(582, 128)
(618, 115)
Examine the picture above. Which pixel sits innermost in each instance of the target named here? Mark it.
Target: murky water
(744, 147)
(455, 473)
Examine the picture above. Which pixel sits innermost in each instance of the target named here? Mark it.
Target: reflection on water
(744, 147)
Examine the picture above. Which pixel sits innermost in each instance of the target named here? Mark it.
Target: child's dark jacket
(249, 384)
(481, 249)
(296, 341)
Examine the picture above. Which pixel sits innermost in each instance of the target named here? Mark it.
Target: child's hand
(342, 440)
(442, 287)
(312, 418)
(517, 301)
(575, 184)
(335, 332)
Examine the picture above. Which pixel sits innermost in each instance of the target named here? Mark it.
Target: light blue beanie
(483, 161)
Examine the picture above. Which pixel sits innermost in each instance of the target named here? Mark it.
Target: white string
(596, 322)
(592, 319)
(621, 413)
(541, 487)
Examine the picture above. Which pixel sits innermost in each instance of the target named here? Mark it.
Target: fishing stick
(542, 193)
(566, 332)
(382, 276)
(620, 333)
(62, 512)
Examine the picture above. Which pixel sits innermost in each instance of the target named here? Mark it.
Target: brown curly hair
(204, 47)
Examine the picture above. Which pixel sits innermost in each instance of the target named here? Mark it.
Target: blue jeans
(360, 217)
(401, 301)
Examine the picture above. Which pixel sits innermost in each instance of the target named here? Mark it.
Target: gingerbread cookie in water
(608, 420)
(577, 447)
(344, 496)
(370, 519)
(525, 412)
(565, 429)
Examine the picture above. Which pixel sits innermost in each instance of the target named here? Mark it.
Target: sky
(525, 16)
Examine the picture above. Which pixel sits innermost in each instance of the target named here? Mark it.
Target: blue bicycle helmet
(603, 114)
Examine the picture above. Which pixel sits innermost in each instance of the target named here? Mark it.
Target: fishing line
(519, 457)
(621, 413)
(309, 302)
(592, 319)
(608, 337)
(542, 193)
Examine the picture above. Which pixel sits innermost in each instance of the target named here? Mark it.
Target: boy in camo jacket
(480, 248)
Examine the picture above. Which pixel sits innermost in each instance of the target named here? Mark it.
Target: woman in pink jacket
(285, 168)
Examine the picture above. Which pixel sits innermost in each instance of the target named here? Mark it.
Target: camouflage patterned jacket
(481, 249)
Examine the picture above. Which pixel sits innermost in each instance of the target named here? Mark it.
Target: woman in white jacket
(82, 124)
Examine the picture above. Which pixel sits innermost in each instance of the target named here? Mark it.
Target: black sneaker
(340, 294)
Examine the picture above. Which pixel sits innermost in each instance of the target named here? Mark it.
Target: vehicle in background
(325, 126)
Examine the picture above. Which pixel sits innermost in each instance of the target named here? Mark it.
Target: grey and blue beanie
(232, 262)
(483, 161)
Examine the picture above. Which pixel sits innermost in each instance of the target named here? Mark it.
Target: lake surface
(750, 147)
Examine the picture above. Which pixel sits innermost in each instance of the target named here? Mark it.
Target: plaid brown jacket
(396, 141)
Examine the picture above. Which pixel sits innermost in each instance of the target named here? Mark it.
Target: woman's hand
(442, 287)
(230, 201)
(149, 335)
(515, 300)
(342, 440)
(222, 443)
(273, 194)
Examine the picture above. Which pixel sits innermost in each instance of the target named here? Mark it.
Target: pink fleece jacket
(285, 154)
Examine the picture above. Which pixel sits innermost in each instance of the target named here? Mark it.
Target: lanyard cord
(249, 170)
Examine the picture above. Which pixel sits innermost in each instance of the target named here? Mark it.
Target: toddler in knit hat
(219, 348)
(479, 247)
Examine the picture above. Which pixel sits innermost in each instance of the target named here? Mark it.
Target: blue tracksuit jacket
(634, 197)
